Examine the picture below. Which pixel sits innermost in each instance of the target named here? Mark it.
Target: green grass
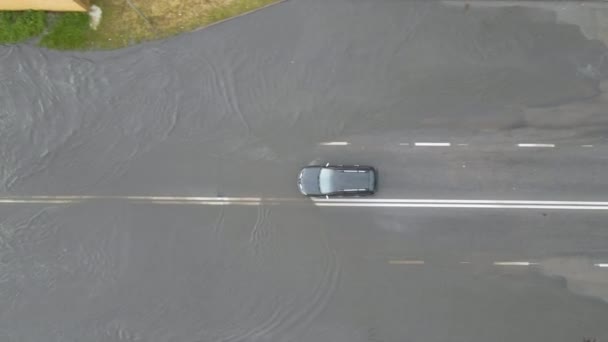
(69, 32)
(120, 25)
(234, 8)
(19, 26)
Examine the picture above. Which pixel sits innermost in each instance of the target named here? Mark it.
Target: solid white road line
(601, 265)
(68, 198)
(335, 143)
(332, 202)
(242, 203)
(36, 201)
(460, 206)
(433, 144)
(536, 145)
(457, 201)
(148, 199)
(8, 199)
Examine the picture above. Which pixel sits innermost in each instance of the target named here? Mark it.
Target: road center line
(433, 144)
(67, 198)
(192, 200)
(320, 202)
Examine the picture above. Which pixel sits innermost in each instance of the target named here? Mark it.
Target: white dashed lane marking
(536, 145)
(474, 145)
(335, 143)
(495, 263)
(406, 262)
(514, 263)
(433, 144)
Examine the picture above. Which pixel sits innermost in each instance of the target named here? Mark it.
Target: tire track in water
(45, 141)
(224, 84)
(289, 308)
(27, 267)
(233, 101)
(320, 298)
(260, 231)
(283, 320)
(215, 130)
(19, 130)
(219, 222)
(102, 260)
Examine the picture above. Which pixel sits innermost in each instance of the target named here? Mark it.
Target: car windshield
(326, 181)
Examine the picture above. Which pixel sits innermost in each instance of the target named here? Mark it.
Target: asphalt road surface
(149, 194)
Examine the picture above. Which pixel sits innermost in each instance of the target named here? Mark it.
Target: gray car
(337, 180)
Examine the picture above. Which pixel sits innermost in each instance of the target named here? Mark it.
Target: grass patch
(19, 26)
(235, 8)
(70, 31)
(123, 24)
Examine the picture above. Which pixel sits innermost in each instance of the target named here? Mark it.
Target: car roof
(345, 179)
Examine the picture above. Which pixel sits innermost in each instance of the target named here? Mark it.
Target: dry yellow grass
(45, 5)
(126, 22)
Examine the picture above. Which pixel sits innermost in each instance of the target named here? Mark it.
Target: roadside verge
(120, 23)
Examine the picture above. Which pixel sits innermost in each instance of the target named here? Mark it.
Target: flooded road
(238, 108)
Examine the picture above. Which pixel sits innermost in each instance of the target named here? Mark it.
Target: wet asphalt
(238, 108)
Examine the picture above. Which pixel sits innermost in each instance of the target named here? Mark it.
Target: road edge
(238, 16)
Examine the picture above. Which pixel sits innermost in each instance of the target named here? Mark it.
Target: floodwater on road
(236, 110)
